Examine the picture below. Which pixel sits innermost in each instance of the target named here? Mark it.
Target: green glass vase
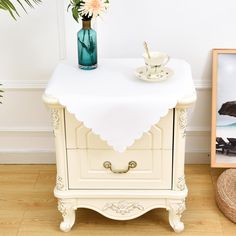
(87, 47)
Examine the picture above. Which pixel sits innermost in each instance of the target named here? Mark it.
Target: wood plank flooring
(28, 208)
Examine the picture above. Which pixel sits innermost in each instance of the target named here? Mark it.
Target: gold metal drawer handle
(108, 165)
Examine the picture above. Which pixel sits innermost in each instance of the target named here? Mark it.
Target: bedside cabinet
(120, 186)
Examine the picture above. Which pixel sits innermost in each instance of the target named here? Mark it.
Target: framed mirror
(223, 138)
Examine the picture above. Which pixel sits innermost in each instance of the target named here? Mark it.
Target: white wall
(31, 47)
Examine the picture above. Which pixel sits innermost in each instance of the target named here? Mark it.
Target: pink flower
(93, 8)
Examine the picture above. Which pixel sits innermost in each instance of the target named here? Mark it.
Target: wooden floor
(28, 208)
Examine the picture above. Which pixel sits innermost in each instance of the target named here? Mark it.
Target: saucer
(164, 74)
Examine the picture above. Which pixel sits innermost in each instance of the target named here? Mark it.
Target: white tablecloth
(113, 102)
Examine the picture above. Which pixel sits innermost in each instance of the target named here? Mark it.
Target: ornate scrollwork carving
(68, 212)
(123, 207)
(180, 208)
(183, 121)
(59, 183)
(55, 118)
(62, 207)
(181, 185)
(175, 213)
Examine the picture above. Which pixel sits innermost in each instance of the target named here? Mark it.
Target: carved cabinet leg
(176, 209)
(68, 214)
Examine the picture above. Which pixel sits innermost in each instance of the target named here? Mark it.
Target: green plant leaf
(2, 7)
(29, 3)
(7, 2)
(75, 13)
(7, 5)
(1, 91)
(75, 8)
(21, 5)
(68, 7)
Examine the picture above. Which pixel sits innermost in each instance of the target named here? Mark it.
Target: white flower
(93, 8)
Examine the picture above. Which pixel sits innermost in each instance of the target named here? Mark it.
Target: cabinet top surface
(115, 78)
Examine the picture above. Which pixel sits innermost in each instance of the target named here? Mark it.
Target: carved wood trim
(183, 121)
(123, 207)
(180, 208)
(59, 183)
(55, 118)
(62, 207)
(181, 185)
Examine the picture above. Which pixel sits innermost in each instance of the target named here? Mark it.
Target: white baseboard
(27, 157)
(197, 158)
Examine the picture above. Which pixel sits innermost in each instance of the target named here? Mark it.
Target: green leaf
(8, 8)
(2, 7)
(1, 91)
(7, 5)
(29, 3)
(75, 8)
(21, 5)
(11, 6)
(75, 13)
(68, 7)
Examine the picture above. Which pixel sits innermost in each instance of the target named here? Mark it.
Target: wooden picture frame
(223, 137)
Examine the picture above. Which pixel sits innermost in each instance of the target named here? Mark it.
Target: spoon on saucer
(146, 49)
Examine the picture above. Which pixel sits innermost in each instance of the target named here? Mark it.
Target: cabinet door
(86, 169)
(80, 137)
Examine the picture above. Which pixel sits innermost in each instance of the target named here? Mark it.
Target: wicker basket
(226, 193)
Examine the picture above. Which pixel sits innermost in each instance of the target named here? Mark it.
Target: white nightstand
(120, 186)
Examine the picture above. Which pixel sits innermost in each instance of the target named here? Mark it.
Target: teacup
(155, 63)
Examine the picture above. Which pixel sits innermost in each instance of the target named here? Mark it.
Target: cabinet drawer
(87, 171)
(159, 137)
